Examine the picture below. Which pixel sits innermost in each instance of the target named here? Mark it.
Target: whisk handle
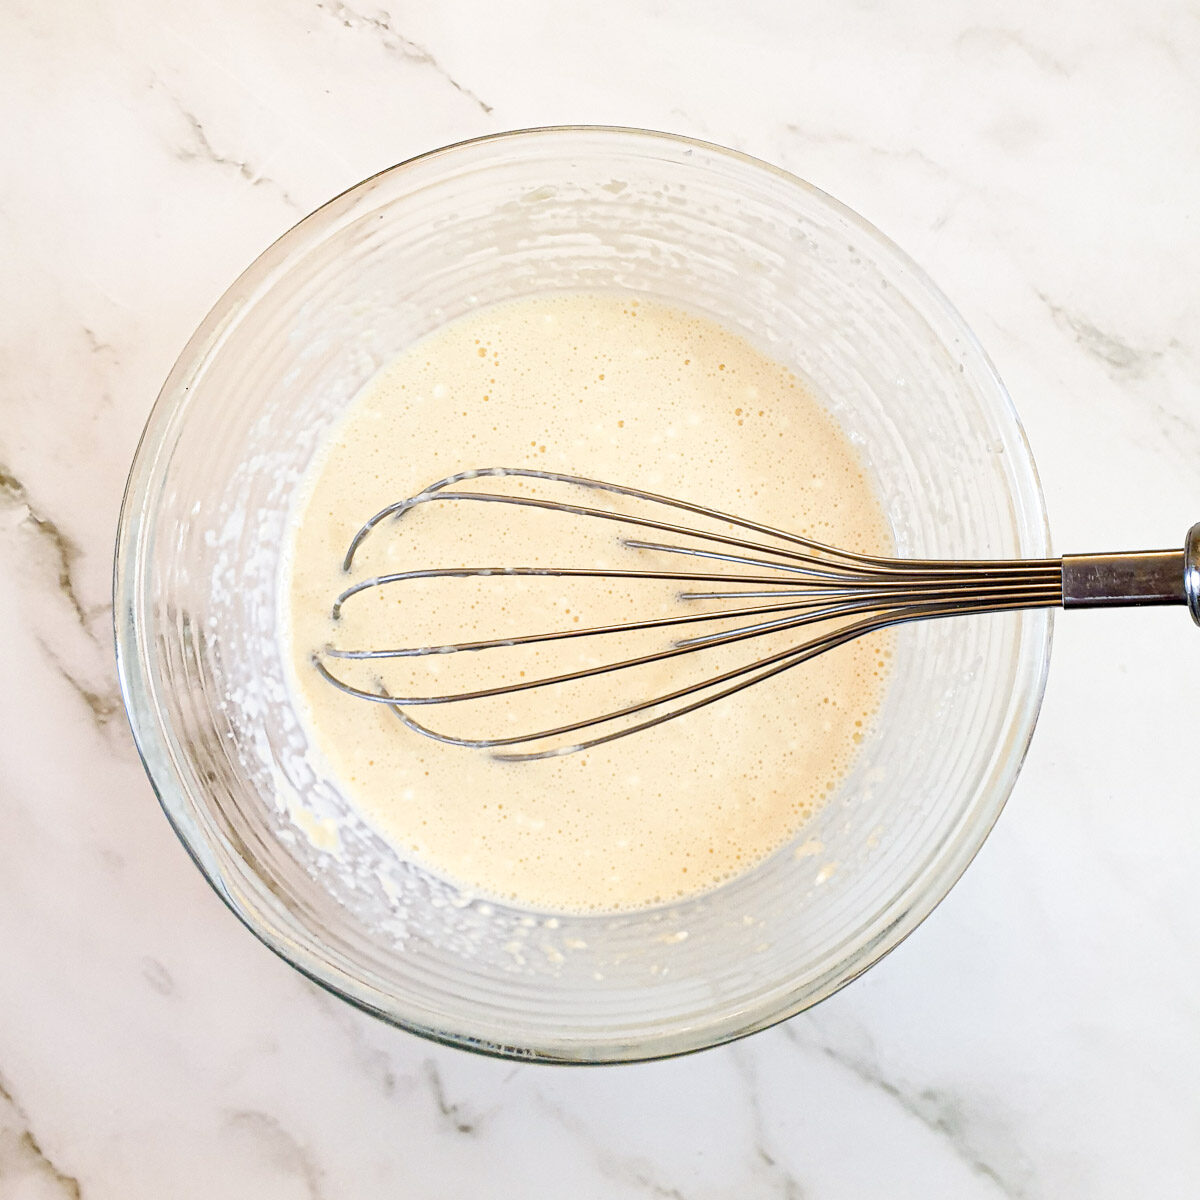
(1135, 578)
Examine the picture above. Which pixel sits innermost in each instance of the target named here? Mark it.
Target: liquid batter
(633, 393)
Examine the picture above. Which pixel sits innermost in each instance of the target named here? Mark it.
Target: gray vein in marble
(65, 551)
(103, 703)
(112, 862)
(1166, 45)
(695, 125)
(1179, 429)
(24, 1165)
(788, 1184)
(453, 1113)
(991, 38)
(395, 42)
(157, 976)
(790, 1188)
(201, 149)
(94, 342)
(909, 154)
(636, 1172)
(657, 1189)
(376, 1063)
(940, 1111)
(103, 706)
(1124, 359)
(279, 1148)
(1126, 362)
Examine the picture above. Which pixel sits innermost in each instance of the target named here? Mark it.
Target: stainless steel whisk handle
(1135, 578)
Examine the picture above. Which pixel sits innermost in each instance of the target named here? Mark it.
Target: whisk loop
(829, 596)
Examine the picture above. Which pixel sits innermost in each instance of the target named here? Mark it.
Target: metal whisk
(782, 582)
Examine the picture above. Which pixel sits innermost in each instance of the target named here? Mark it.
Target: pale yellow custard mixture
(630, 392)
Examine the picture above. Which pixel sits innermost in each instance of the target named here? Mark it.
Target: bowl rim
(144, 714)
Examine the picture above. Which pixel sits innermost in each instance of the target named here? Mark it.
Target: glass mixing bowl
(205, 518)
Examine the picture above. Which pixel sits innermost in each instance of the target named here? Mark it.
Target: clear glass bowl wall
(276, 362)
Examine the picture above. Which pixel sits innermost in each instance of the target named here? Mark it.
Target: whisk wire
(760, 671)
(806, 583)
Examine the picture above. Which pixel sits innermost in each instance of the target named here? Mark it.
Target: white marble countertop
(1039, 1036)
